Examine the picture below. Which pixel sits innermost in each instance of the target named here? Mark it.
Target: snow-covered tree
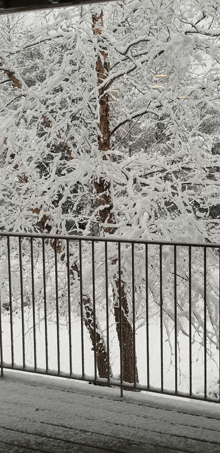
(107, 134)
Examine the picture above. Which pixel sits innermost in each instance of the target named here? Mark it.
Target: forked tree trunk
(103, 190)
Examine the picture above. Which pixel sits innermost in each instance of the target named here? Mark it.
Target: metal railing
(134, 314)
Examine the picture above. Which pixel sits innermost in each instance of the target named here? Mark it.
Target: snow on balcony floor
(44, 414)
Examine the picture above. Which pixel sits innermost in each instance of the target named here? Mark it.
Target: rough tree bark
(102, 187)
(106, 214)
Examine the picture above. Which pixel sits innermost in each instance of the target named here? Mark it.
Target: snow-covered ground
(76, 353)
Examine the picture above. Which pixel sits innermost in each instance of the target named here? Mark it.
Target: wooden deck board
(40, 415)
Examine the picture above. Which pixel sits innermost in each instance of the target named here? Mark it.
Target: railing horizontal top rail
(111, 239)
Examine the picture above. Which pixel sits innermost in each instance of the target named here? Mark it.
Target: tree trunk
(103, 190)
(125, 334)
(102, 186)
(103, 365)
(98, 343)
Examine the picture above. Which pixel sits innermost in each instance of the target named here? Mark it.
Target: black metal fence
(134, 314)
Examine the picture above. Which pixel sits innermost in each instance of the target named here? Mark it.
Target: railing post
(33, 305)
(147, 317)
(94, 309)
(10, 300)
(57, 308)
(133, 310)
(45, 305)
(219, 325)
(69, 305)
(161, 318)
(120, 311)
(81, 308)
(175, 318)
(1, 351)
(190, 321)
(107, 308)
(22, 301)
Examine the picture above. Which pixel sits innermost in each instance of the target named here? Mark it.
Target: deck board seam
(119, 438)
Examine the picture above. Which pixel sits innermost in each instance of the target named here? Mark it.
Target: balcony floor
(42, 414)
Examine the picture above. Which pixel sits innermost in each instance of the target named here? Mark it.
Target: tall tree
(103, 189)
(109, 134)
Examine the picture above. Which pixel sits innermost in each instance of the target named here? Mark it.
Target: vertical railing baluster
(10, 300)
(133, 309)
(1, 347)
(175, 319)
(94, 307)
(147, 316)
(22, 303)
(69, 305)
(205, 324)
(161, 315)
(45, 304)
(107, 307)
(120, 310)
(190, 321)
(81, 307)
(219, 325)
(57, 307)
(33, 304)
